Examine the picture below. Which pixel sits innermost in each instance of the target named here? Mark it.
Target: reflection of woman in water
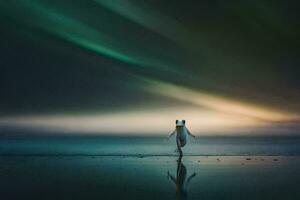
(180, 180)
(181, 134)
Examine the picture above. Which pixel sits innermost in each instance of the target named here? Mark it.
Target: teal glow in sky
(229, 65)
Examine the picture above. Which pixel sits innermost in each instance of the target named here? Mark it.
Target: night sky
(134, 65)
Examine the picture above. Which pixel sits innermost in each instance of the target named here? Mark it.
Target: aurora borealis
(227, 67)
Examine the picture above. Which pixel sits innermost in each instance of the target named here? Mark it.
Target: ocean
(148, 146)
(130, 167)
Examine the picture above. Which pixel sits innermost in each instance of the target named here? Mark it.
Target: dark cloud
(65, 56)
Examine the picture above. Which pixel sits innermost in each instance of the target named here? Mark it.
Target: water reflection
(181, 182)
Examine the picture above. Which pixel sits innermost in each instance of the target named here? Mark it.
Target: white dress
(181, 135)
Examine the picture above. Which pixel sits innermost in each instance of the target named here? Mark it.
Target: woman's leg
(179, 147)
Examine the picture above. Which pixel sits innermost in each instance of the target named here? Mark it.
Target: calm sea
(90, 167)
(147, 146)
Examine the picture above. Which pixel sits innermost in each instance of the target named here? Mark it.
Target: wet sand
(149, 177)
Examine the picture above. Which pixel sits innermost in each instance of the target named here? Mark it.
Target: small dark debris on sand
(275, 159)
(262, 159)
(218, 160)
(198, 160)
(248, 158)
(243, 163)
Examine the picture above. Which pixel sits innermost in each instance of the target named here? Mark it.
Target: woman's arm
(172, 134)
(190, 133)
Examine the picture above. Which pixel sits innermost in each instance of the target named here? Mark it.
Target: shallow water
(79, 145)
(148, 168)
(123, 177)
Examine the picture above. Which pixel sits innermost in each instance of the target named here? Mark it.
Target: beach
(131, 177)
(149, 168)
